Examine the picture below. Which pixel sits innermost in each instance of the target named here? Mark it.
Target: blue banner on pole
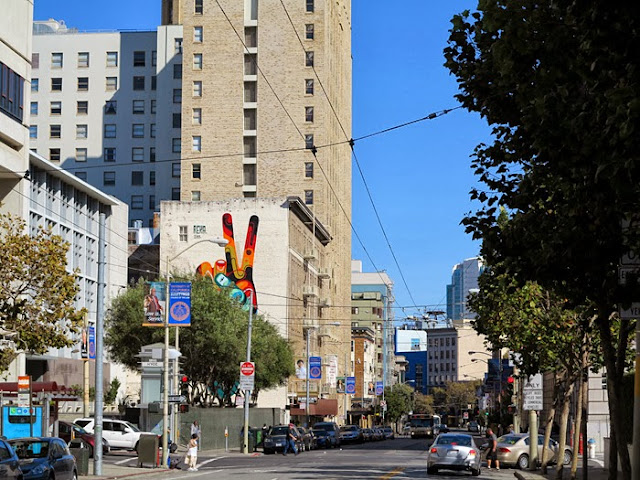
(351, 385)
(92, 342)
(315, 368)
(180, 304)
(379, 388)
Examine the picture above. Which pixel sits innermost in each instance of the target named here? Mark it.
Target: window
(83, 59)
(197, 34)
(196, 171)
(109, 154)
(177, 71)
(138, 82)
(308, 114)
(175, 170)
(81, 154)
(250, 64)
(197, 88)
(310, 6)
(309, 31)
(184, 236)
(177, 42)
(251, 36)
(109, 130)
(137, 178)
(56, 108)
(175, 145)
(110, 107)
(137, 154)
(175, 193)
(54, 154)
(112, 59)
(154, 58)
(82, 176)
(195, 196)
(176, 123)
(197, 61)
(83, 84)
(138, 106)
(82, 131)
(82, 107)
(55, 131)
(137, 202)
(34, 84)
(137, 130)
(308, 141)
(152, 155)
(308, 59)
(196, 143)
(152, 177)
(250, 119)
(56, 84)
(308, 169)
(152, 108)
(139, 58)
(198, 7)
(152, 130)
(197, 116)
(249, 146)
(177, 95)
(250, 92)
(11, 93)
(108, 178)
(152, 202)
(249, 174)
(33, 131)
(154, 82)
(308, 197)
(111, 84)
(308, 86)
(35, 61)
(56, 60)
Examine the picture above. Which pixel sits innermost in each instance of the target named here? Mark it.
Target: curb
(127, 475)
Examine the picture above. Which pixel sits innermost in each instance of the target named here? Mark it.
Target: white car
(119, 434)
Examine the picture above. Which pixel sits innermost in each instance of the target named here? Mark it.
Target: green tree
(212, 347)
(557, 83)
(423, 404)
(37, 293)
(399, 400)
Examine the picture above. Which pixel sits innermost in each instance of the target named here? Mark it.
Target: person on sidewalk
(492, 451)
(192, 453)
(195, 429)
(290, 444)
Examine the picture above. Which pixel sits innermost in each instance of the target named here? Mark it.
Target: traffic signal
(184, 408)
(184, 386)
(510, 380)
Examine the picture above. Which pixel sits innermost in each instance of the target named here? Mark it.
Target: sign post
(247, 375)
(532, 401)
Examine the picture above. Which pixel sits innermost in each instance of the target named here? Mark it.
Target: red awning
(12, 387)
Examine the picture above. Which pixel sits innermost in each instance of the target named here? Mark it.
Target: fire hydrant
(591, 445)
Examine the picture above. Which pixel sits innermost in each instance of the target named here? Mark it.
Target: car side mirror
(126, 430)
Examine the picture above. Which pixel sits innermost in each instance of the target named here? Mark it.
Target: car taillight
(434, 450)
(504, 450)
(472, 452)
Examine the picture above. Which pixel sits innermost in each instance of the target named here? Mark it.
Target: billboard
(411, 341)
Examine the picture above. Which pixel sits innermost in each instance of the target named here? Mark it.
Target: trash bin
(591, 446)
(259, 437)
(148, 450)
(80, 450)
(252, 440)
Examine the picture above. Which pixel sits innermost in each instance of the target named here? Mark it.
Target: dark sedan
(275, 440)
(43, 458)
(324, 439)
(9, 462)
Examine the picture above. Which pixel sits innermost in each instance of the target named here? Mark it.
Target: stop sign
(247, 368)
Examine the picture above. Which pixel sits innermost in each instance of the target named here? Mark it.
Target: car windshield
(422, 422)
(79, 430)
(278, 431)
(349, 428)
(320, 433)
(509, 439)
(30, 448)
(83, 423)
(463, 440)
(132, 426)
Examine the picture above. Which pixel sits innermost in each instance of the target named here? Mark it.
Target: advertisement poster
(180, 304)
(301, 370)
(154, 304)
(340, 386)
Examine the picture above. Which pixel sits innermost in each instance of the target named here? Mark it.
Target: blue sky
(419, 176)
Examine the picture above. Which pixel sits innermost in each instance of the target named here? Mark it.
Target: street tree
(557, 83)
(37, 291)
(212, 347)
(399, 400)
(423, 404)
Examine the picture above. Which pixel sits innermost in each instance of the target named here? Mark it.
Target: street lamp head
(218, 241)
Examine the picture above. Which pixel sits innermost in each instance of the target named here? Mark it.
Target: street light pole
(306, 405)
(247, 393)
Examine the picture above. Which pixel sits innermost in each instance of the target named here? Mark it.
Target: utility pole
(247, 393)
(533, 444)
(99, 375)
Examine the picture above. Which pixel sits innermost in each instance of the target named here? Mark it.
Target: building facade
(464, 279)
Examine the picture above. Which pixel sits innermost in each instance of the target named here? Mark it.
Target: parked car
(377, 434)
(331, 427)
(442, 428)
(351, 434)
(68, 431)
(275, 439)
(324, 439)
(367, 434)
(513, 449)
(473, 427)
(118, 433)
(9, 462)
(45, 458)
(454, 451)
(308, 439)
(388, 433)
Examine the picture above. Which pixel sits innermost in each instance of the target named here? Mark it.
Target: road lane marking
(202, 464)
(120, 462)
(392, 473)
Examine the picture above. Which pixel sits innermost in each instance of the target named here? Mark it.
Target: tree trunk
(566, 403)
(576, 433)
(613, 391)
(549, 423)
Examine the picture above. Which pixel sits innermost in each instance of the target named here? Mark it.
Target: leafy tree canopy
(399, 400)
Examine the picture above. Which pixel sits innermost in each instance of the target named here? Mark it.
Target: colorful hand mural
(227, 274)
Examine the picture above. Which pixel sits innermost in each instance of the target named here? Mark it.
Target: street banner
(180, 304)
(315, 368)
(332, 371)
(92, 342)
(351, 386)
(340, 387)
(154, 304)
(379, 388)
(84, 344)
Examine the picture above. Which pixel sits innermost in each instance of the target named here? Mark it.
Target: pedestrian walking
(290, 444)
(195, 429)
(192, 453)
(492, 451)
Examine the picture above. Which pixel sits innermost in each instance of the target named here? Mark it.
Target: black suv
(331, 428)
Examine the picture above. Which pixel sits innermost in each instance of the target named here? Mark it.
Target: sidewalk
(595, 472)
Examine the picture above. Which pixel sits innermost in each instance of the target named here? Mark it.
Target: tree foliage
(212, 347)
(423, 404)
(399, 400)
(37, 292)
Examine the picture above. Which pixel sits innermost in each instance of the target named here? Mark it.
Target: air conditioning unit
(325, 302)
(324, 272)
(310, 290)
(310, 253)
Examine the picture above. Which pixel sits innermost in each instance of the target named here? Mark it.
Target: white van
(119, 434)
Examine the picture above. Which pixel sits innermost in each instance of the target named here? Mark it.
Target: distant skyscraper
(464, 279)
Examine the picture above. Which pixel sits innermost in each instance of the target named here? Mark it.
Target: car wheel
(432, 471)
(567, 457)
(523, 462)
(267, 451)
(475, 472)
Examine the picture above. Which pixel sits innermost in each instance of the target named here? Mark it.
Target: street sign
(631, 312)
(151, 364)
(532, 393)
(177, 398)
(24, 391)
(315, 368)
(247, 375)
(180, 304)
(630, 258)
(351, 386)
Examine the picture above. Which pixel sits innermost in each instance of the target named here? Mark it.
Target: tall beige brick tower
(260, 103)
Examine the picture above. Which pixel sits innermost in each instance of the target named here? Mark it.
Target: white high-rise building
(106, 107)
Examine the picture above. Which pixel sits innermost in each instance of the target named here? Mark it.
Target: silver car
(454, 451)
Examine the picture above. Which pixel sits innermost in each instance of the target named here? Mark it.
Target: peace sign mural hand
(228, 274)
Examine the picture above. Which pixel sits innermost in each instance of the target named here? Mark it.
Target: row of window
(109, 154)
(83, 59)
(449, 341)
(82, 131)
(111, 83)
(11, 93)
